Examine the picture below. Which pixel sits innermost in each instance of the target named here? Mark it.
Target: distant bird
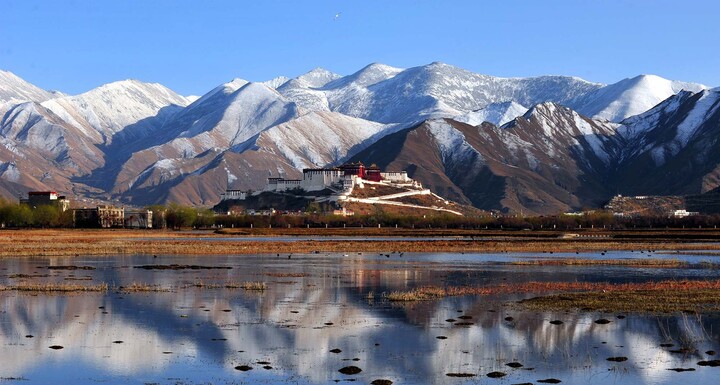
(337, 16)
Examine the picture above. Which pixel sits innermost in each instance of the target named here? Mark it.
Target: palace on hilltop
(338, 182)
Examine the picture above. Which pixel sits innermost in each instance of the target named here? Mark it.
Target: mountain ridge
(143, 143)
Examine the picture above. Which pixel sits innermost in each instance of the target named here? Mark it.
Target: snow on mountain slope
(318, 139)
(217, 122)
(317, 78)
(630, 97)
(495, 113)
(111, 108)
(564, 128)
(31, 127)
(367, 76)
(666, 129)
(15, 90)
(309, 99)
(276, 82)
(249, 110)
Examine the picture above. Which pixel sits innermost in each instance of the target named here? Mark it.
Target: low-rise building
(101, 216)
(138, 219)
(51, 198)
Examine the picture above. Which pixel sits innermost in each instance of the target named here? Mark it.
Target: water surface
(315, 303)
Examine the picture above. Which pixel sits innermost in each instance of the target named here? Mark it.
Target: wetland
(570, 312)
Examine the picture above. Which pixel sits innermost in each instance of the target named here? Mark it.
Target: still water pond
(320, 313)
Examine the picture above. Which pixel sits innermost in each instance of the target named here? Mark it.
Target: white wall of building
(314, 180)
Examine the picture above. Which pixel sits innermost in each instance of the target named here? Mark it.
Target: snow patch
(704, 108)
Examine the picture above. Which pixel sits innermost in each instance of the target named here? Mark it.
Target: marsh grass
(645, 301)
(136, 287)
(633, 262)
(54, 287)
(259, 286)
(661, 296)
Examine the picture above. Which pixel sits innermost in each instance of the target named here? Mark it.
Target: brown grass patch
(650, 301)
(434, 292)
(136, 287)
(54, 287)
(259, 286)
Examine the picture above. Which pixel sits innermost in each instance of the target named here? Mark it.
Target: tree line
(175, 216)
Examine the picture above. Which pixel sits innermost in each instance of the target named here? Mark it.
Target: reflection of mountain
(285, 325)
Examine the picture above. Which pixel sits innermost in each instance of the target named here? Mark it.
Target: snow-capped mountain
(549, 160)
(391, 95)
(128, 108)
(537, 145)
(15, 90)
(495, 113)
(630, 97)
(225, 119)
(674, 146)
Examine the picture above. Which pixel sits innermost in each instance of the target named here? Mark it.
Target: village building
(47, 198)
(138, 219)
(99, 217)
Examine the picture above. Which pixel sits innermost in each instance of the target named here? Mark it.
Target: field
(19, 243)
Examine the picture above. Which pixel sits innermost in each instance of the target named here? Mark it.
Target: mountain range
(537, 145)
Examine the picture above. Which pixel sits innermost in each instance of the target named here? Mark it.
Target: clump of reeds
(260, 286)
(433, 292)
(418, 294)
(136, 287)
(54, 287)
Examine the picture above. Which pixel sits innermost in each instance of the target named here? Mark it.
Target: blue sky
(192, 46)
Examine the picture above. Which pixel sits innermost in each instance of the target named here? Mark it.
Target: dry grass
(434, 292)
(19, 243)
(136, 287)
(650, 301)
(639, 262)
(260, 286)
(54, 287)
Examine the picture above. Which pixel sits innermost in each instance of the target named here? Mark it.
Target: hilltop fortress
(338, 184)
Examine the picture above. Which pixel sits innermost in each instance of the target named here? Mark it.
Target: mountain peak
(317, 77)
(632, 96)
(14, 89)
(546, 109)
(370, 74)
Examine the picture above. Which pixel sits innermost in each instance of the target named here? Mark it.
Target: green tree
(46, 216)
(20, 216)
(205, 218)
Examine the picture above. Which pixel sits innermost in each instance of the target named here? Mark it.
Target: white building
(342, 180)
(396, 176)
(316, 179)
(233, 194)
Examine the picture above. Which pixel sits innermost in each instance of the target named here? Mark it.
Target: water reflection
(316, 303)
